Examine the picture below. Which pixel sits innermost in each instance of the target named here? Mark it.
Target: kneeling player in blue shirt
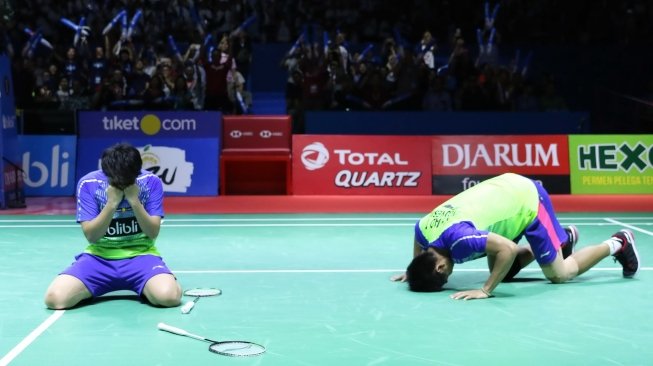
(119, 208)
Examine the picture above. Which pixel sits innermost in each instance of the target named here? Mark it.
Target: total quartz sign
(361, 165)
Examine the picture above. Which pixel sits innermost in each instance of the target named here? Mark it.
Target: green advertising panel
(615, 164)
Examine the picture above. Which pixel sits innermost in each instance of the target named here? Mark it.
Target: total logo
(149, 124)
(315, 156)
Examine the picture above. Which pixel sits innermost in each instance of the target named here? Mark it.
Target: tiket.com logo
(149, 124)
(315, 156)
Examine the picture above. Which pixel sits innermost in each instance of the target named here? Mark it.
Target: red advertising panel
(460, 162)
(260, 133)
(361, 165)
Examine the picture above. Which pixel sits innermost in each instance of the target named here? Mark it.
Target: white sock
(614, 244)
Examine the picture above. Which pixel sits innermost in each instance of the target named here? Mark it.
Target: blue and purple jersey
(124, 237)
(504, 205)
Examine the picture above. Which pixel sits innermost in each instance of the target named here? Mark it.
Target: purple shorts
(101, 275)
(544, 234)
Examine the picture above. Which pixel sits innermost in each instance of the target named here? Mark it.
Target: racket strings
(237, 348)
(203, 292)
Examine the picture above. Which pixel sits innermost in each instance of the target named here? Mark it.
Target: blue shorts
(544, 234)
(101, 275)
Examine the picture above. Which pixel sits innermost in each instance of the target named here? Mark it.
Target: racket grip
(171, 329)
(187, 307)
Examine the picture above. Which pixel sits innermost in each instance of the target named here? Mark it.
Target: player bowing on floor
(488, 220)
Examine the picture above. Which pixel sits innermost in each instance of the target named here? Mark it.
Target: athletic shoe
(572, 234)
(627, 256)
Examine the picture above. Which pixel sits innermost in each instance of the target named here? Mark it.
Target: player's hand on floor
(470, 295)
(399, 278)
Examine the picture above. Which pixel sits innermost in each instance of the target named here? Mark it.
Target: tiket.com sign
(359, 165)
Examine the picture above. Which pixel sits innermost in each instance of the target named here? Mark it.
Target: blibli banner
(181, 147)
(48, 164)
(359, 165)
(616, 164)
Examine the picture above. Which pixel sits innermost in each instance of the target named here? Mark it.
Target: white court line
(38, 226)
(630, 226)
(310, 219)
(255, 271)
(31, 337)
(368, 224)
(288, 225)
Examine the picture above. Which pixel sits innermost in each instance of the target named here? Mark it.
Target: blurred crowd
(344, 54)
(117, 55)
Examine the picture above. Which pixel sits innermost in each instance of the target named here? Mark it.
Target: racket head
(237, 348)
(203, 292)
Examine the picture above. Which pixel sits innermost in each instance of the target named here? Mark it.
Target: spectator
(315, 92)
(242, 53)
(373, 91)
(154, 97)
(240, 98)
(98, 68)
(78, 98)
(436, 98)
(195, 77)
(45, 98)
(137, 81)
(125, 59)
(181, 98)
(168, 77)
(294, 104)
(219, 70)
(63, 91)
(460, 63)
(525, 100)
(550, 100)
(72, 67)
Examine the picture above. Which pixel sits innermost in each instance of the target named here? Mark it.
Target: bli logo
(38, 173)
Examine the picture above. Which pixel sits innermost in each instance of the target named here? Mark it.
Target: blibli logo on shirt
(123, 227)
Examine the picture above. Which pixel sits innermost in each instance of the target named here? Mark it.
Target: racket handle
(187, 307)
(171, 329)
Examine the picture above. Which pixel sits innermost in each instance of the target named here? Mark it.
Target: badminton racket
(198, 293)
(225, 348)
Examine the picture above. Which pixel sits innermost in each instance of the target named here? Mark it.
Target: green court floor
(315, 290)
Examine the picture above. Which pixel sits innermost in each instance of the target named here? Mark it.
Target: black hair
(422, 276)
(121, 163)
